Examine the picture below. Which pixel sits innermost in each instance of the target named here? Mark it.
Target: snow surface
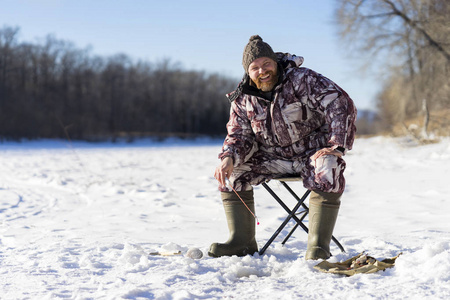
(78, 220)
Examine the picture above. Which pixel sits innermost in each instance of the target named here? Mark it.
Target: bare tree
(409, 42)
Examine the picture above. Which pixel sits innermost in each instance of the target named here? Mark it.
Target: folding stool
(292, 214)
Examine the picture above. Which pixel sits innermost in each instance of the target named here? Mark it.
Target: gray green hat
(255, 49)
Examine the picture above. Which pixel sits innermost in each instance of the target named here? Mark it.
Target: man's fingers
(326, 151)
(219, 174)
(223, 171)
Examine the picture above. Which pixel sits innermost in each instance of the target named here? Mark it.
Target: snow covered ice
(78, 221)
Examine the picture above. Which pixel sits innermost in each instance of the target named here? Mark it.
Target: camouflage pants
(326, 174)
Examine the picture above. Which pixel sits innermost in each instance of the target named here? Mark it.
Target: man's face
(263, 72)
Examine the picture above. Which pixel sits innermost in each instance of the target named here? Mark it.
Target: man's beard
(269, 85)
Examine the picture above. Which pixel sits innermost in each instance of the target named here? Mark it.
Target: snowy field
(78, 221)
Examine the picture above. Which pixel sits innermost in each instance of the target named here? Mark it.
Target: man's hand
(326, 151)
(224, 170)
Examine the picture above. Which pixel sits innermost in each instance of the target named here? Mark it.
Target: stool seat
(287, 179)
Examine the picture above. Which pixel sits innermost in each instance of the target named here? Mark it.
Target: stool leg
(304, 214)
(289, 217)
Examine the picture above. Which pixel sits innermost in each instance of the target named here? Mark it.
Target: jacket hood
(285, 60)
(288, 61)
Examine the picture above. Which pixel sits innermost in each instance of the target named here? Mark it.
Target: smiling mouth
(264, 77)
(267, 81)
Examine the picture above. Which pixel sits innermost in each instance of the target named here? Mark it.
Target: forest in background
(54, 90)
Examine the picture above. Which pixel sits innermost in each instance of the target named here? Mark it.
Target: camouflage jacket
(305, 112)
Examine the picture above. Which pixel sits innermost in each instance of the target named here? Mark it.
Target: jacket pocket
(259, 127)
(295, 112)
(301, 121)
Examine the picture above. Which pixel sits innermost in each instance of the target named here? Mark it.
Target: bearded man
(284, 120)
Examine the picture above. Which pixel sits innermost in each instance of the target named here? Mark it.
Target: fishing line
(254, 216)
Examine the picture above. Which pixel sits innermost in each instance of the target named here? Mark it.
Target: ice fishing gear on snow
(165, 253)
(361, 263)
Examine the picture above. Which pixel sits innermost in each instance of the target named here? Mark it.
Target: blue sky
(200, 34)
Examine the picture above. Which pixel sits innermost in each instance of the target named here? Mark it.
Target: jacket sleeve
(240, 141)
(337, 107)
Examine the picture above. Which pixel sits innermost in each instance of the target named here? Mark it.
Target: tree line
(408, 42)
(53, 89)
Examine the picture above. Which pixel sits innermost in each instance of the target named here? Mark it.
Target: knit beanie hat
(256, 48)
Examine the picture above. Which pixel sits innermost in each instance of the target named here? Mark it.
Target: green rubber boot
(323, 212)
(241, 225)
